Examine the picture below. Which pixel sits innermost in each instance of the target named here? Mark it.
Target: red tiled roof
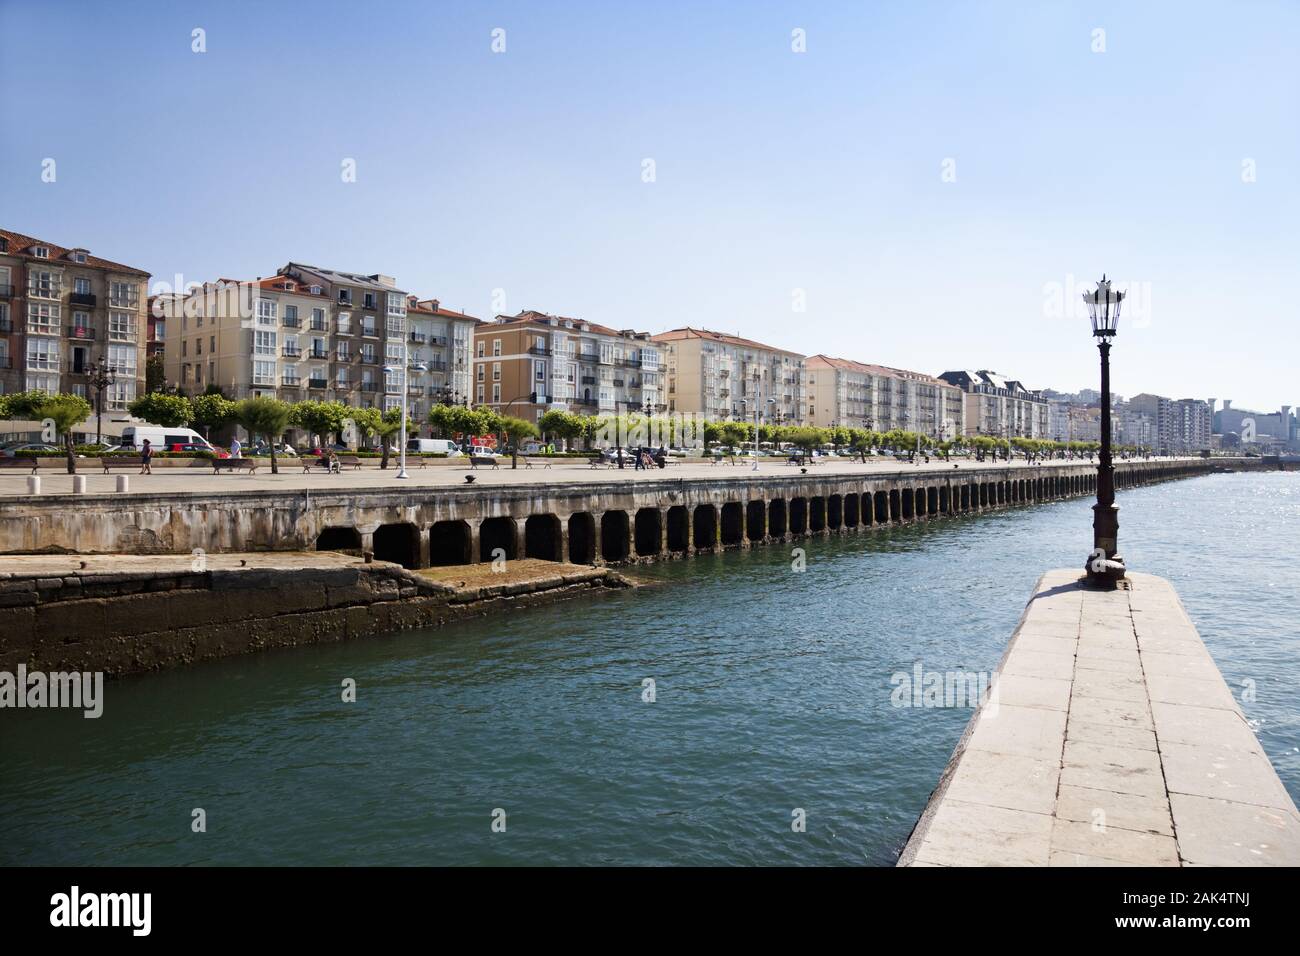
(531, 317)
(434, 307)
(676, 335)
(20, 245)
(848, 365)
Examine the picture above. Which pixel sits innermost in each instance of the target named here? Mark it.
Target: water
(773, 693)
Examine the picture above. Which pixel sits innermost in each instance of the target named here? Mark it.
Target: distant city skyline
(925, 187)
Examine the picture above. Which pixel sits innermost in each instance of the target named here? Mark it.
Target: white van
(162, 439)
(430, 446)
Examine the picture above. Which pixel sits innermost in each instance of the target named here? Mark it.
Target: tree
(390, 424)
(321, 419)
(515, 429)
(155, 379)
(65, 411)
(265, 416)
(564, 425)
(158, 408)
(211, 410)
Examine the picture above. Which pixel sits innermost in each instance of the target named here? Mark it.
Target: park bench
(600, 461)
(17, 462)
(476, 460)
(234, 464)
(121, 461)
(528, 463)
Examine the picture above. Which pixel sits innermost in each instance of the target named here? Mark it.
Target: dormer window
(41, 252)
(315, 290)
(345, 297)
(79, 257)
(289, 287)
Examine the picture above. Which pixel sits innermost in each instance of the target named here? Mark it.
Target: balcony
(316, 383)
(320, 353)
(289, 323)
(80, 332)
(414, 391)
(370, 331)
(123, 301)
(538, 350)
(419, 338)
(583, 401)
(369, 386)
(588, 380)
(438, 340)
(369, 359)
(436, 365)
(287, 382)
(588, 357)
(618, 383)
(318, 325)
(344, 385)
(82, 298)
(630, 362)
(291, 351)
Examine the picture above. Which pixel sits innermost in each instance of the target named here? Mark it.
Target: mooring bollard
(123, 484)
(78, 484)
(33, 484)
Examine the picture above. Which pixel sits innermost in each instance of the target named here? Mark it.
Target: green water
(772, 693)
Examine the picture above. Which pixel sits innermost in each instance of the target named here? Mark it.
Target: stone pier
(1109, 739)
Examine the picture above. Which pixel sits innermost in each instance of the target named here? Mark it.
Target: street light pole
(99, 376)
(1105, 566)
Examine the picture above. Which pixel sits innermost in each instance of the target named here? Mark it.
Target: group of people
(647, 458)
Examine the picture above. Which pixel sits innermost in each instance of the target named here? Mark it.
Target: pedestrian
(146, 457)
(234, 447)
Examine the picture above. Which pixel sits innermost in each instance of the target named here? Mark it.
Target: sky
(921, 185)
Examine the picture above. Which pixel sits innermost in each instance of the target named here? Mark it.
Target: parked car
(133, 437)
(424, 446)
(27, 447)
(186, 446)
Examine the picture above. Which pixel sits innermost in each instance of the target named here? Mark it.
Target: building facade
(62, 310)
(842, 392)
(530, 363)
(1001, 407)
(440, 347)
(724, 377)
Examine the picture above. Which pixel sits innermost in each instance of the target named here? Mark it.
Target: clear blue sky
(775, 171)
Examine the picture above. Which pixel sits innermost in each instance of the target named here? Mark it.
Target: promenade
(201, 479)
(1109, 739)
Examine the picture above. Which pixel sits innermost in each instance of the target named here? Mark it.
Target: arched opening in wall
(755, 521)
(649, 532)
(965, 497)
(497, 534)
(449, 543)
(984, 494)
(816, 514)
(679, 535)
(582, 538)
(798, 515)
(882, 507)
(733, 524)
(339, 539)
(852, 511)
(895, 505)
(705, 527)
(932, 501)
(945, 503)
(776, 518)
(542, 538)
(399, 543)
(835, 512)
(1002, 492)
(614, 543)
(908, 504)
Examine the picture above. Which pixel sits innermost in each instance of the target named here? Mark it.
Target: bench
(17, 462)
(121, 461)
(234, 464)
(528, 463)
(476, 460)
(600, 461)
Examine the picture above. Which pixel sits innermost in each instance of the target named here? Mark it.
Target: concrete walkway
(1109, 739)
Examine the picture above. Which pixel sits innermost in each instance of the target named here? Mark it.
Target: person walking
(146, 458)
(234, 447)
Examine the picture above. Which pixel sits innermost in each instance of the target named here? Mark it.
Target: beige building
(1001, 407)
(842, 392)
(530, 363)
(62, 309)
(724, 377)
(440, 348)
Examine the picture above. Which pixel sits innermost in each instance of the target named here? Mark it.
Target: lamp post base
(1105, 573)
(1105, 567)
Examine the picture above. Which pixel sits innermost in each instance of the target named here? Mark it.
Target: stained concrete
(1109, 739)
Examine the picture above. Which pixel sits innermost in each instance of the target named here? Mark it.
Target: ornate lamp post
(99, 376)
(1105, 566)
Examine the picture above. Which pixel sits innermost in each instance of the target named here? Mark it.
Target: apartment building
(721, 376)
(527, 364)
(1160, 410)
(441, 352)
(1191, 425)
(1001, 407)
(62, 310)
(842, 392)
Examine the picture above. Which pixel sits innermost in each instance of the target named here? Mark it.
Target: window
(44, 285)
(496, 394)
(539, 371)
(120, 394)
(121, 359)
(396, 304)
(290, 315)
(496, 371)
(198, 347)
(343, 325)
(43, 355)
(79, 257)
(124, 294)
(121, 327)
(212, 343)
(479, 347)
(496, 346)
(343, 352)
(369, 300)
(318, 320)
(395, 326)
(392, 381)
(264, 343)
(479, 375)
(263, 373)
(315, 290)
(183, 348)
(394, 353)
(319, 348)
(266, 311)
(368, 353)
(341, 377)
(43, 319)
(345, 296)
(368, 325)
(290, 375)
(81, 286)
(480, 394)
(41, 252)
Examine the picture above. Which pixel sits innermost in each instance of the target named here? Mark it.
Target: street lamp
(99, 376)
(757, 408)
(1105, 566)
(419, 367)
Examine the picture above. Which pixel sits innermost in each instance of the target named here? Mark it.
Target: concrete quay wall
(598, 521)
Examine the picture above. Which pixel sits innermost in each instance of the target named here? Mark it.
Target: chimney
(1227, 404)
